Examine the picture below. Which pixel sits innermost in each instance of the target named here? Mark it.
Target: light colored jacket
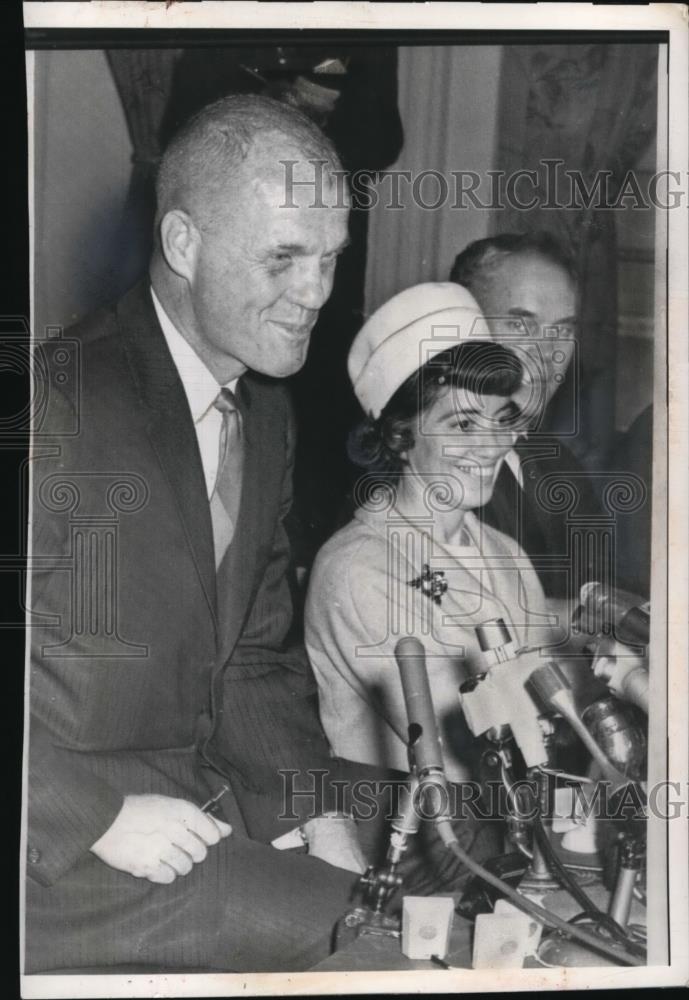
(361, 602)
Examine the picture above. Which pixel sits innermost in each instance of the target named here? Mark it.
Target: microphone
(554, 690)
(624, 617)
(424, 742)
(608, 610)
(499, 697)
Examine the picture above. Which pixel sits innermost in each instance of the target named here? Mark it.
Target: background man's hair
(475, 263)
(200, 158)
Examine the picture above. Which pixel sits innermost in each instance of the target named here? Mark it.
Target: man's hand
(158, 837)
(335, 839)
(624, 672)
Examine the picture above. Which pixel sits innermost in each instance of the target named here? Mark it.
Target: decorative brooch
(433, 585)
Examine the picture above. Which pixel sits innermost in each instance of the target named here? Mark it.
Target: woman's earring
(396, 439)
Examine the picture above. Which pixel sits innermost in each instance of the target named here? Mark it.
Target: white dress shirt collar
(200, 385)
(201, 390)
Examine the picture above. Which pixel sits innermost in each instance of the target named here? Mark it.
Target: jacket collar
(171, 430)
(169, 426)
(382, 519)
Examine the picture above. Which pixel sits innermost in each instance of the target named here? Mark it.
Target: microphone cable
(589, 909)
(539, 912)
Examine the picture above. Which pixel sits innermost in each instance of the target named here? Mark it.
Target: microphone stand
(378, 885)
(427, 788)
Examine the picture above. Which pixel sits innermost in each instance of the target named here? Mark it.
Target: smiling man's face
(266, 265)
(530, 303)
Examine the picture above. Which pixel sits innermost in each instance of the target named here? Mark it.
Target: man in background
(526, 287)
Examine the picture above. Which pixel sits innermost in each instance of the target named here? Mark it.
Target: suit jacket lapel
(240, 572)
(170, 427)
(539, 525)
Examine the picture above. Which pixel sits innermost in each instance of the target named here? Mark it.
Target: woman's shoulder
(356, 543)
(352, 566)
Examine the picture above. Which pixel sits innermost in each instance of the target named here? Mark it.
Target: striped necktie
(228, 482)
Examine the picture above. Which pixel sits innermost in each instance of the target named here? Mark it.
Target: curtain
(594, 108)
(448, 99)
(143, 78)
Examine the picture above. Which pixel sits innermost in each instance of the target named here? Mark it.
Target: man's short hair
(473, 265)
(200, 158)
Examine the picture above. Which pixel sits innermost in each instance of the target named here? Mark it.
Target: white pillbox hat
(405, 333)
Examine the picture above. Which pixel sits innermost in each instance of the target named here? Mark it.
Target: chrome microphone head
(616, 728)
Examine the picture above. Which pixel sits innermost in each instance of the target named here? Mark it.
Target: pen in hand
(212, 805)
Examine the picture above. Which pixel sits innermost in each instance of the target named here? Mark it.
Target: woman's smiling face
(460, 443)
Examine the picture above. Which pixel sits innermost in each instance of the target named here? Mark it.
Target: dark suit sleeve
(69, 807)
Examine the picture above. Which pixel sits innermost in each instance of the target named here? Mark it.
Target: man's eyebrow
(288, 248)
(528, 314)
(298, 248)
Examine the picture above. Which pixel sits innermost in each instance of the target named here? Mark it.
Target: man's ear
(180, 240)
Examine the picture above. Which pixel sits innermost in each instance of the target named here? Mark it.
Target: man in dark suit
(161, 674)
(526, 287)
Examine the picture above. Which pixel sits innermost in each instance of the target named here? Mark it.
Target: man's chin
(282, 368)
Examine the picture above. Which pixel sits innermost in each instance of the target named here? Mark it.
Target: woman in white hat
(415, 560)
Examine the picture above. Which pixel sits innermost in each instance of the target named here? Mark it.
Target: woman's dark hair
(481, 367)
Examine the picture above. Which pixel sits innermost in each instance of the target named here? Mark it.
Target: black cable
(596, 915)
(541, 914)
(572, 886)
(637, 933)
(568, 882)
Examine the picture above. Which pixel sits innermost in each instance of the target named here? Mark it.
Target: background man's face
(265, 269)
(531, 306)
